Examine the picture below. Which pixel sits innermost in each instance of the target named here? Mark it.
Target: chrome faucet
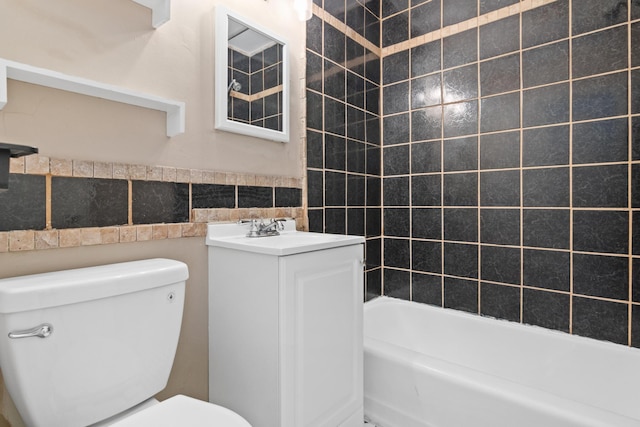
(260, 229)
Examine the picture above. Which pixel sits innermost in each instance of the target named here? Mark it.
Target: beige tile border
(42, 165)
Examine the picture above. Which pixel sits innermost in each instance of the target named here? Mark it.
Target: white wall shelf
(160, 10)
(40, 76)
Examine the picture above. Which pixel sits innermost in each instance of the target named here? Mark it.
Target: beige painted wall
(112, 41)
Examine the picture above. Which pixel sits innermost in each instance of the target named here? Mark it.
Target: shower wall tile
(426, 17)
(545, 24)
(454, 11)
(459, 49)
(603, 320)
(425, 59)
(500, 37)
(589, 15)
(597, 97)
(461, 294)
(501, 302)
(600, 52)
(547, 309)
(547, 269)
(545, 64)
(601, 141)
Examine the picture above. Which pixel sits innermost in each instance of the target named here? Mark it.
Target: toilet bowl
(92, 346)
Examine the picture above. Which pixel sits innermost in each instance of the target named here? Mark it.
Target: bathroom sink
(289, 242)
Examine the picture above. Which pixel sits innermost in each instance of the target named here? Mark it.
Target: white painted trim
(40, 76)
(160, 10)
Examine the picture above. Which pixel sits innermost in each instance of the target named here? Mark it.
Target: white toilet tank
(114, 333)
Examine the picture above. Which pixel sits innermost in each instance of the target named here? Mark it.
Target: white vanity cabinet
(285, 327)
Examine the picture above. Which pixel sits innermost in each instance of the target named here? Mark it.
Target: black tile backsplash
(506, 176)
(93, 202)
(213, 196)
(23, 206)
(158, 202)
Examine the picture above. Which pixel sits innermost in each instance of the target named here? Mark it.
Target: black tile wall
(93, 202)
(509, 180)
(157, 202)
(23, 207)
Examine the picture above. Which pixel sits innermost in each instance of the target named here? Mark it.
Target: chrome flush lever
(42, 331)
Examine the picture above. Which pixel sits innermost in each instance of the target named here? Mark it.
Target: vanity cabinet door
(321, 299)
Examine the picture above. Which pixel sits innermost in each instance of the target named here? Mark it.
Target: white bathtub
(428, 366)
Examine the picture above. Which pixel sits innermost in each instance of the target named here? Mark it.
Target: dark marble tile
(461, 294)
(460, 84)
(426, 256)
(635, 43)
(461, 189)
(500, 226)
(396, 98)
(546, 105)
(545, 24)
(314, 114)
(500, 188)
(425, 157)
(460, 119)
(460, 49)
(600, 186)
(355, 90)
(390, 7)
(635, 235)
(589, 15)
(315, 188)
(336, 8)
(397, 283)
(635, 326)
(395, 67)
(425, 58)
(602, 320)
(425, 190)
(500, 37)
(22, 207)
(635, 186)
(426, 288)
(335, 221)
(426, 18)
(546, 309)
(500, 112)
(545, 64)
(601, 276)
(240, 61)
(487, 6)
(397, 253)
(635, 277)
(373, 280)
(355, 222)
(602, 141)
(334, 81)
(426, 91)
(374, 191)
(373, 222)
(600, 52)
(635, 91)
(500, 150)
(500, 264)
(601, 231)
(373, 248)
(635, 9)
(355, 17)
(213, 196)
(372, 129)
(395, 29)
(356, 156)
(356, 125)
(334, 44)
(314, 71)
(335, 152)
(396, 160)
(335, 189)
(373, 162)
(460, 154)
(500, 75)
(356, 56)
(334, 116)
(316, 220)
(426, 124)
(546, 228)
(396, 191)
(547, 269)
(454, 11)
(461, 260)
(461, 224)
(635, 138)
(602, 96)
(372, 67)
(257, 82)
(314, 35)
(396, 129)
(545, 187)
(290, 197)
(152, 202)
(372, 28)
(426, 223)
(546, 146)
(501, 302)
(255, 197)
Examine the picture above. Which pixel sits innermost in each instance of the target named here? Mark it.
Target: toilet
(92, 346)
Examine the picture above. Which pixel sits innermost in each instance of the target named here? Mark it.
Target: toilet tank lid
(57, 288)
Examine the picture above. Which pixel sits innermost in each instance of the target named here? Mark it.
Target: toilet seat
(185, 412)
